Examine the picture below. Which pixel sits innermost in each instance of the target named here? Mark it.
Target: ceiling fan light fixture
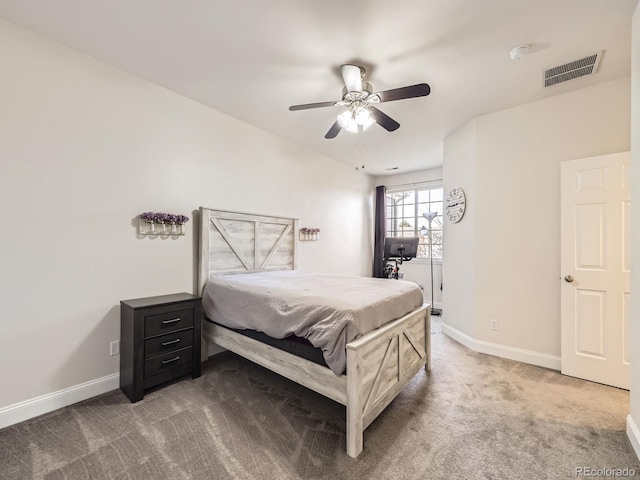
(349, 120)
(360, 101)
(344, 119)
(362, 116)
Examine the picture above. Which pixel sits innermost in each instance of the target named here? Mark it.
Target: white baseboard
(634, 434)
(512, 353)
(27, 409)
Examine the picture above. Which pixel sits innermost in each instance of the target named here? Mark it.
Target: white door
(595, 274)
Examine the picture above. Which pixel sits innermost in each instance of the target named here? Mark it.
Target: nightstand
(159, 341)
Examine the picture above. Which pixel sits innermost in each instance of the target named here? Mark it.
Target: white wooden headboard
(237, 242)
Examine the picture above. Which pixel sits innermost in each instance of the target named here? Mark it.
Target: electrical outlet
(494, 324)
(114, 348)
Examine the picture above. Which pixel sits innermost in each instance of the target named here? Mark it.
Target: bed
(378, 364)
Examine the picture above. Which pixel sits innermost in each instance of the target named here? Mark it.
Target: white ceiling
(252, 59)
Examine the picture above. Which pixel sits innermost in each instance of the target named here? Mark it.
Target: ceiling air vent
(571, 70)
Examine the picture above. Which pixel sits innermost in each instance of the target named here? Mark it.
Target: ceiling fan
(360, 100)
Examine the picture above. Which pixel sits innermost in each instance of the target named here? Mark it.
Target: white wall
(634, 418)
(515, 192)
(419, 270)
(85, 148)
(459, 171)
(417, 176)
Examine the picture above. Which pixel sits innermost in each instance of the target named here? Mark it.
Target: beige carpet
(475, 417)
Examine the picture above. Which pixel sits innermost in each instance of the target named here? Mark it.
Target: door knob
(569, 278)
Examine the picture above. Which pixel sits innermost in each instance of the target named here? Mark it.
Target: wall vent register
(576, 69)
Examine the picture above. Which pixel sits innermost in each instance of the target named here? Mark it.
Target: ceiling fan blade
(384, 120)
(333, 131)
(412, 91)
(352, 76)
(307, 106)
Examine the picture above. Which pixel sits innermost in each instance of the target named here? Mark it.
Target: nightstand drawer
(166, 343)
(168, 361)
(167, 322)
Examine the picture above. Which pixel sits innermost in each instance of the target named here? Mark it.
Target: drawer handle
(171, 321)
(164, 344)
(174, 359)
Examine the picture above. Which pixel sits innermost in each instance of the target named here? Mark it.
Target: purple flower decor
(164, 217)
(167, 223)
(307, 233)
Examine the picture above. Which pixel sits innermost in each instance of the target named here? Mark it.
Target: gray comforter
(328, 310)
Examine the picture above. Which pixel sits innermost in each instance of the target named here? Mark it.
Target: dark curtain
(380, 232)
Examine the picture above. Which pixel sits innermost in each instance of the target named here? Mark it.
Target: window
(405, 208)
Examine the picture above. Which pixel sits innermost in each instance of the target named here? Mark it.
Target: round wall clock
(455, 205)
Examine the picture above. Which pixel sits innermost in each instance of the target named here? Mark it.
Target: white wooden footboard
(379, 366)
